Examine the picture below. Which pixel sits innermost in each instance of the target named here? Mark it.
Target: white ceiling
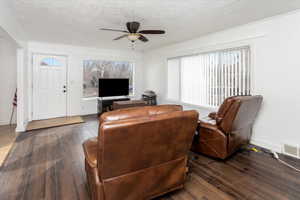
(76, 22)
(2, 33)
(5, 36)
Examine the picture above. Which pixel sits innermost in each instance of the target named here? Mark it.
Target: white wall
(9, 22)
(22, 84)
(275, 53)
(75, 55)
(8, 78)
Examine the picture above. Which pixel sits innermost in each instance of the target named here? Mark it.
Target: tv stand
(105, 105)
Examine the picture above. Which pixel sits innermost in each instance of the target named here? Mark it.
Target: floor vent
(291, 150)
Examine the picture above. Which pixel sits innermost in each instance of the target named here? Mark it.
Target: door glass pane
(50, 62)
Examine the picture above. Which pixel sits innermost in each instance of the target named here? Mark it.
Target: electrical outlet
(291, 150)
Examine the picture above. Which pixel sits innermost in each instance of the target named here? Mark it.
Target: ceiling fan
(132, 32)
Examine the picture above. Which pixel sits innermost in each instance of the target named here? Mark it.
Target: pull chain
(132, 45)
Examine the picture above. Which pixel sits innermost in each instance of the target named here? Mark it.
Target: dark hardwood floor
(49, 164)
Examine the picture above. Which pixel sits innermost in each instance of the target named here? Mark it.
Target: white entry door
(49, 86)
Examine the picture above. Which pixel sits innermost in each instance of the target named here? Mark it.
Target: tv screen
(109, 87)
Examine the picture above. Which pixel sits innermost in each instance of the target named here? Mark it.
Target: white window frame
(133, 83)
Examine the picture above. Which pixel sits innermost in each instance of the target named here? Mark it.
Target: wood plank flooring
(7, 138)
(49, 164)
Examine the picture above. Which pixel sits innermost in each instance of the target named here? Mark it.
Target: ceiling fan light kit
(133, 37)
(132, 32)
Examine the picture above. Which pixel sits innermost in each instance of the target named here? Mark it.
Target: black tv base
(105, 105)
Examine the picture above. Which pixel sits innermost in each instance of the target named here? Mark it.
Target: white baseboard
(2, 123)
(267, 145)
(22, 127)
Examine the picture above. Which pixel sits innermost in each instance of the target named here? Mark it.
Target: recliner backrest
(138, 112)
(247, 112)
(224, 107)
(238, 112)
(139, 143)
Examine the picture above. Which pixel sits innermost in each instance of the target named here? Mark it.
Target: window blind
(207, 79)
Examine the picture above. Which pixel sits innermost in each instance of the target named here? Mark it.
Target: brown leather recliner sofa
(224, 132)
(140, 153)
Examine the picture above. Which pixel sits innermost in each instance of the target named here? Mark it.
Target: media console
(105, 105)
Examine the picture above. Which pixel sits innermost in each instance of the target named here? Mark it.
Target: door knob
(64, 91)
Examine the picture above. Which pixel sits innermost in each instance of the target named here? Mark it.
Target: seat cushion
(207, 120)
(90, 147)
(207, 123)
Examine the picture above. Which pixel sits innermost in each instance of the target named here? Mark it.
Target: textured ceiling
(2, 33)
(76, 22)
(5, 36)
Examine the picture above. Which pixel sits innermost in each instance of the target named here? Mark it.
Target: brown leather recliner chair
(224, 132)
(140, 153)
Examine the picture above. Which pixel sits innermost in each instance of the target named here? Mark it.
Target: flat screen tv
(109, 87)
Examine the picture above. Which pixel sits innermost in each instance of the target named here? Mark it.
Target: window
(50, 62)
(95, 69)
(207, 79)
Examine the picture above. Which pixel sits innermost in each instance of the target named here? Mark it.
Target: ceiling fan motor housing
(133, 34)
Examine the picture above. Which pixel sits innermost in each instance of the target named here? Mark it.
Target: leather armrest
(90, 148)
(211, 126)
(208, 124)
(213, 115)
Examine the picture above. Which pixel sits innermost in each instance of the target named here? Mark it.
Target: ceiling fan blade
(143, 38)
(122, 36)
(133, 27)
(152, 32)
(115, 30)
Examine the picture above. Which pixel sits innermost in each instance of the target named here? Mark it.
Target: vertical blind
(207, 79)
